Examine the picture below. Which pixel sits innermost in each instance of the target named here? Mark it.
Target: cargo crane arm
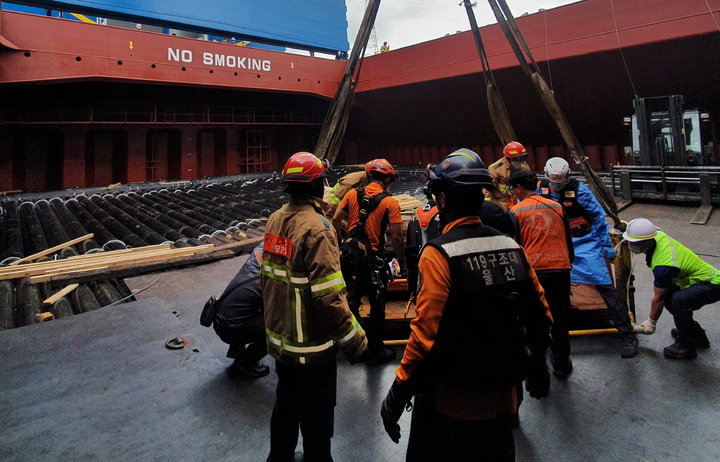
(335, 123)
(507, 24)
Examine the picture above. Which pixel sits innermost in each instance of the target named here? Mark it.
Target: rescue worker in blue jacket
(683, 284)
(479, 306)
(591, 243)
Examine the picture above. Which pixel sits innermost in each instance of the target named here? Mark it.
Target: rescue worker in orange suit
(514, 158)
(306, 314)
(346, 183)
(372, 279)
(543, 231)
(480, 309)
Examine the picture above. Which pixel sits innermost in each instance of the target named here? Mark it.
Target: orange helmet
(380, 166)
(304, 167)
(514, 149)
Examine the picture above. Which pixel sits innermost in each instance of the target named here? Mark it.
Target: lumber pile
(44, 271)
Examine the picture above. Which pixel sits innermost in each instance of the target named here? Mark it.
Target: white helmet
(557, 170)
(639, 229)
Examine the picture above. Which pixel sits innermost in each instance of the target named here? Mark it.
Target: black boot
(681, 349)
(629, 345)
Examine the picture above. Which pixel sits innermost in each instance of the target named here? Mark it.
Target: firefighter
(683, 283)
(306, 313)
(371, 275)
(544, 233)
(514, 158)
(346, 183)
(591, 243)
(479, 306)
(423, 226)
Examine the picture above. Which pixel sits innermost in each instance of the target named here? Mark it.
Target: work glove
(609, 252)
(364, 356)
(537, 382)
(398, 397)
(647, 327)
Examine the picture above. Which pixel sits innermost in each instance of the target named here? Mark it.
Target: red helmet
(380, 166)
(304, 167)
(514, 149)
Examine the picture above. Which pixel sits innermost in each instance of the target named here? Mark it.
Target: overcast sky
(407, 22)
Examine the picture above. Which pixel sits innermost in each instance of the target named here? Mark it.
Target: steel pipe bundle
(54, 230)
(34, 240)
(146, 234)
(11, 239)
(72, 226)
(174, 203)
(120, 231)
(88, 222)
(160, 228)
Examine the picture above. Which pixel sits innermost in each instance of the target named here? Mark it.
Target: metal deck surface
(102, 386)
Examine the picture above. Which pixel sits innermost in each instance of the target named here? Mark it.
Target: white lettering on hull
(214, 59)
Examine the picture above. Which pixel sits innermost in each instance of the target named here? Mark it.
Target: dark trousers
(437, 438)
(305, 401)
(251, 332)
(682, 302)
(557, 294)
(617, 307)
(374, 326)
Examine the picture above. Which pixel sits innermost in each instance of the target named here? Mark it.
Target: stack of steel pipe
(115, 227)
(167, 226)
(54, 230)
(72, 227)
(102, 235)
(34, 240)
(177, 203)
(160, 228)
(143, 232)
(173, 219)
(11, 239)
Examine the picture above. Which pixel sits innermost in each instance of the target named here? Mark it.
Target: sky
(407, 22)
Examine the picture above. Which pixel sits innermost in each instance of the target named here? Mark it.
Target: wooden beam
(52, 249)
(60, 294)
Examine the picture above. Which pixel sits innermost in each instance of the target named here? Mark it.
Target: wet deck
(102, 385)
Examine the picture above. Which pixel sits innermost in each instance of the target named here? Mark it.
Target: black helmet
(461, 169)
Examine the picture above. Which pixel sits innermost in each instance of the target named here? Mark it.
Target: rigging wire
(712, 15)
(134, 292)
(617, 37)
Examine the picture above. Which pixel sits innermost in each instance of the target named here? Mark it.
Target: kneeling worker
(683, 283)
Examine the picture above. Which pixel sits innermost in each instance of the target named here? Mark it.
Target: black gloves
(392, 408)
(538, 378)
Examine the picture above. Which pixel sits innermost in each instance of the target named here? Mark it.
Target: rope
(135, 292)
(617, 37)
(712, 15)
(547, 54)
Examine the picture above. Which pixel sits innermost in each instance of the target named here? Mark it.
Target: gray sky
(407, 22)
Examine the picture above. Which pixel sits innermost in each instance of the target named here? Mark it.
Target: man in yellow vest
(514, 156)
(350, 181)
(683, 284)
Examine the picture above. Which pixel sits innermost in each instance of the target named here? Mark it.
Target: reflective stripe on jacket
(542, 232)
(344, 184)
(306, 312)
(669, 252)
(501, 170)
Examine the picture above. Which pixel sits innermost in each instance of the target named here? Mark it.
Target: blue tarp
(319, 25)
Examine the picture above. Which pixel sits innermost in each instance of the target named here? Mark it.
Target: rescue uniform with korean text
(306, 319)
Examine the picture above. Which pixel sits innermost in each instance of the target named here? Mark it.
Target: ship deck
(103, 386)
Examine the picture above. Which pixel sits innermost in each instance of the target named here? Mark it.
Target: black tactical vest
(480, 342)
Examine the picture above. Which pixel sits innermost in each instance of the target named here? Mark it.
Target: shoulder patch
(277, 245)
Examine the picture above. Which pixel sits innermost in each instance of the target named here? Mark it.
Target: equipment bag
(356, 249)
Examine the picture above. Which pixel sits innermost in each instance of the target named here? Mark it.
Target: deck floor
(102, 386)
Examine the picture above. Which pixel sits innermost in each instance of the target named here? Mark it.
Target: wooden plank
(702, 215)
(133, 269)
(60, 294)
(61, 266)
(52, 249)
